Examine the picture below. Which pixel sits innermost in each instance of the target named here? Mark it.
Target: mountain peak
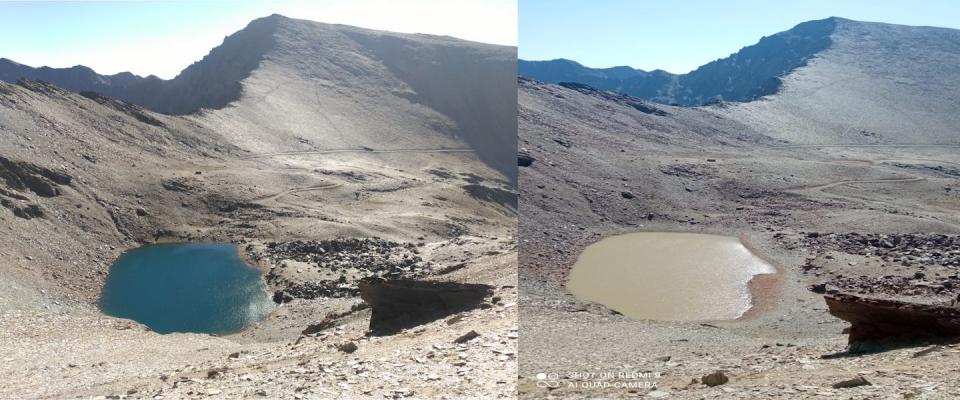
(752, 72)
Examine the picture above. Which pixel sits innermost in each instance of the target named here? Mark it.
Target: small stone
(466, 337)
(715, 379)
(927, 351)
(850, 383)
(347, 347)
(216, 372)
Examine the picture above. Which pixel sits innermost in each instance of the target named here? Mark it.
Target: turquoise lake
(186, 287)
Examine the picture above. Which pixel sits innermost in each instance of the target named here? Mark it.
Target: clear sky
(679, 36)
(164, 37)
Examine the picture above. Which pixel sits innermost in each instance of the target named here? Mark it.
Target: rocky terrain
(325, 159)
(316, 75)
(841, 179)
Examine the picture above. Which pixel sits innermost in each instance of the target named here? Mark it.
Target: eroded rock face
(401, 303)
(122, 106)
(20, 175)
(874, 319)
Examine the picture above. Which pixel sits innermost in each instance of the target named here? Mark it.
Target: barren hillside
(820, 179)
(283, 84)
(325, 148)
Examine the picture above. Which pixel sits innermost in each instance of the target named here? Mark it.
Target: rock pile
(907, 248)
(917, 284)
(353, 258)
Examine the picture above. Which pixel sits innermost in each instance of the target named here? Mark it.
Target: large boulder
(524, 159)
(403, 303)
(875, 319)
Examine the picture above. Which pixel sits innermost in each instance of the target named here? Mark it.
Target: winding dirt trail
(359, 150)
(276, 196)
(793, 146)
(821, 187)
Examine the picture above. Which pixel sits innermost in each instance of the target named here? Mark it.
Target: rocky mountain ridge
(748, 74)
(295, 79)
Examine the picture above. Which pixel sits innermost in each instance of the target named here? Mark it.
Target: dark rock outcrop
(122, 106)
(22, 210)
(524, 159)
(281, 297)
(876, 319)
(627, 100)
(327, 322)
(505, 198)
(401, 303)
(20, 175)
(852, 383)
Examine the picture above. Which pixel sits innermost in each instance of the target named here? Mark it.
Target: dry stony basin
(871, 221)
(312, 247)
(320, 179)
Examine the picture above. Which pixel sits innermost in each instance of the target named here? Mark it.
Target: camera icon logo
(548, 380)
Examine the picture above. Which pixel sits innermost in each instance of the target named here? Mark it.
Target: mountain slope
(282, 84)
(313, 140)
(857, 144)
(209, 83)
(636, 82)
(877, 84)
(604, 164)
(84, 178)
(750, 73)
(832, 81)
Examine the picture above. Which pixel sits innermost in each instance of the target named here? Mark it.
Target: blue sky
(163, 37)
(678, 36)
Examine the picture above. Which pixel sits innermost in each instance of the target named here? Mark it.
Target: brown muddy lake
(668, 276)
